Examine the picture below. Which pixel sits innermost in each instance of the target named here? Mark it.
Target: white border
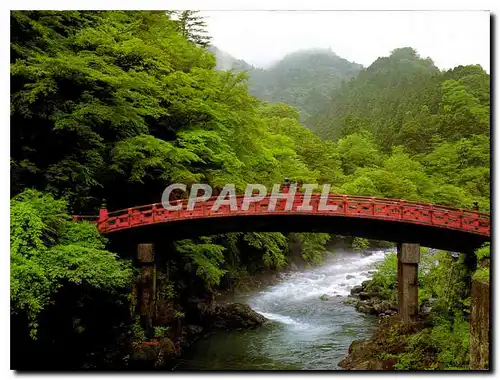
(201, 5)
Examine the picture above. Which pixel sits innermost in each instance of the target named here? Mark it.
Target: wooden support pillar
(408, 259)
(146, 287)
(479, 325)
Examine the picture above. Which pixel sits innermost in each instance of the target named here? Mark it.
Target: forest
(109, 107)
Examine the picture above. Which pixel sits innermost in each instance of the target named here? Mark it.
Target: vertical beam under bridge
(146, 286)
(408, 259)
(479, 325)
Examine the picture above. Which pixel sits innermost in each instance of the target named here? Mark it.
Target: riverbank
(390, 340)
(202, 317)
(385, 348)
(306, 312)
(306, 330)
(446, 334)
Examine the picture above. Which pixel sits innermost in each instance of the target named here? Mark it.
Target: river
(306, 332)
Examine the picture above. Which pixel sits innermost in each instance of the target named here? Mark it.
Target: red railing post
(401, 206)
(345, 203)
(372, 200)
(476, 221)
(103, 214)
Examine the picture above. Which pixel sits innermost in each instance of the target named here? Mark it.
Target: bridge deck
(338, 205)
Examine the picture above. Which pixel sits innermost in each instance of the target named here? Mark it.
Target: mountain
(225, 61)
(404, 99)
(303, 79)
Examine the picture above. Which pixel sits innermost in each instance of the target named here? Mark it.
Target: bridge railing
(352, 206)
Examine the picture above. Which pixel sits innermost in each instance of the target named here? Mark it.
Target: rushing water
(306, 333)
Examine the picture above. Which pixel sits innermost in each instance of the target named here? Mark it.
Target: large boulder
(153, 354)
(362, 356)
(356, 290)
(236, 316)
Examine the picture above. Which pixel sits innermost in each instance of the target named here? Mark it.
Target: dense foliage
(107, 100)
(401, 128)
(416, 132)
(98, 103)
(48, 251)
(60, 273)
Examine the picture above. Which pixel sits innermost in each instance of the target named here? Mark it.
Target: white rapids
(306, 332)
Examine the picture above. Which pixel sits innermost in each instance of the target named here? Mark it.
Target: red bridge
(376, 218)
(151, 228)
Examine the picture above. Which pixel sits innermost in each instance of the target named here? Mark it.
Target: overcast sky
(450, 38)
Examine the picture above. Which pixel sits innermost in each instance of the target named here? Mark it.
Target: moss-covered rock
(366, 299)
(356, 290)
(236, 315)
(153, 354)
(382, 350)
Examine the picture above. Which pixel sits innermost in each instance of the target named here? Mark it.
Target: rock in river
(236, 315)
(356, 290)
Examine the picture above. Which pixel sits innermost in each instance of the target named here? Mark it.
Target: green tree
(192, 26)
(49, 252)
(358, 150)
(462, 114)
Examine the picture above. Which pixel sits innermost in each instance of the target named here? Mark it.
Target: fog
(450, 38)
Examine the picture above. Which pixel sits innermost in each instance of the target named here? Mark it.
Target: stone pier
(408, 259)
(146, 286)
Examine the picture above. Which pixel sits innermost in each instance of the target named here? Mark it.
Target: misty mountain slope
(304, 79)
(225, 61)
(404, 99)
(380, 96)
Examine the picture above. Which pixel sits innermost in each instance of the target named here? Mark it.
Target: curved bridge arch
(376, 218)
